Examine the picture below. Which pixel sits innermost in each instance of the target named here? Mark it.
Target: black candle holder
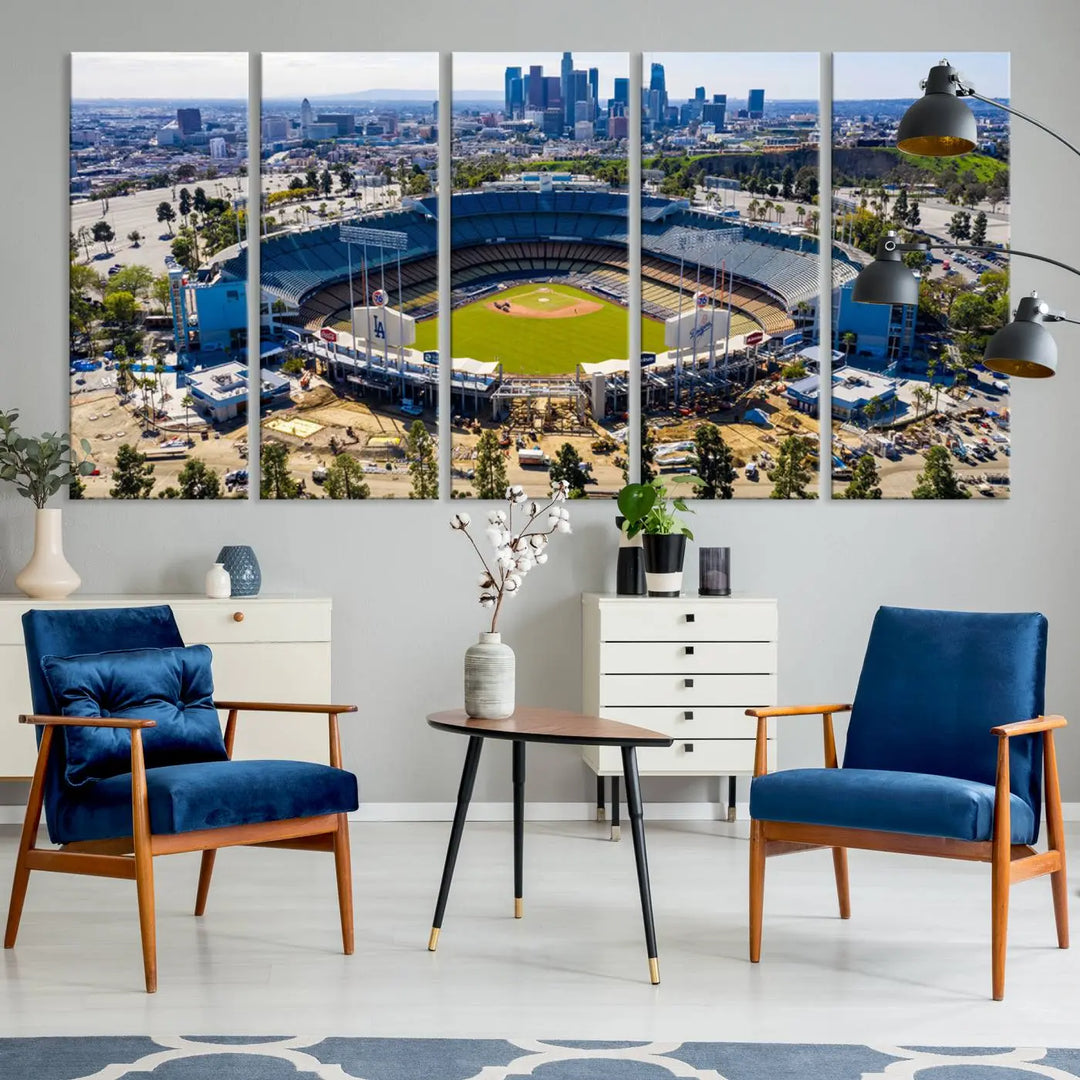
(714, 571)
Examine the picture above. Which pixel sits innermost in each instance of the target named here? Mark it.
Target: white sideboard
(688, 667)
(266, 648)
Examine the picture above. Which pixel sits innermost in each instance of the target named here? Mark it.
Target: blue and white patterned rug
(296, 1058)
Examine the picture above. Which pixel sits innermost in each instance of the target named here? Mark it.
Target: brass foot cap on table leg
(433, 939)
(654, 971)
(616, 832)
(601, 814)
(519, 907)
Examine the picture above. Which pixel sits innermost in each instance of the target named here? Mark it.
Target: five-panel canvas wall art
(580, 193)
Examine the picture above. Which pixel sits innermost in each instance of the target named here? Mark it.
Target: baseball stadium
(539, 291)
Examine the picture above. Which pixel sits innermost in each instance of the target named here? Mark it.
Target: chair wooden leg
(206, 871)
(1000, 871)
(144, 863)
(27, 840)
(343, 866)
(1055, 834)
(757, 887)
(843, 895)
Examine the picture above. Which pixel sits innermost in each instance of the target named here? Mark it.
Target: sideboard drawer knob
(688, 683)
(689, 616)
(238, 616)
(688, 748)
(689, 650)
(688, 715)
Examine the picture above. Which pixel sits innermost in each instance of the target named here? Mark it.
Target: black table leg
(615, 829)
(465, 789)
(637, 827)
(519, 827)
(600, 811)
(731, 798)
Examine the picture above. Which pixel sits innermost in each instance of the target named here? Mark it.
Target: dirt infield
(522, 311)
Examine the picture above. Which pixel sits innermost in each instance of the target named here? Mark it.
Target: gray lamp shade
(886, 281)
(939, 124)
(1024, 347)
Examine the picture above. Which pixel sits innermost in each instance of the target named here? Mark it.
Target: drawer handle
(690, 616)
(688, 683)
(238, 616)
(688, 748)
(689, 650)
(688, 715)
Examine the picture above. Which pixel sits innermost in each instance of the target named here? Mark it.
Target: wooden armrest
(86, 721)
(797, 710)
(283, 706)
(1029, 727)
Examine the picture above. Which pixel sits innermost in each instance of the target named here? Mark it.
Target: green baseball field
(540, 329)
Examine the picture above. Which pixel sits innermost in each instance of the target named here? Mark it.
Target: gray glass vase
(243, 568)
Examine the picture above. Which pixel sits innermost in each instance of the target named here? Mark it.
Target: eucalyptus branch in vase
(515, 549)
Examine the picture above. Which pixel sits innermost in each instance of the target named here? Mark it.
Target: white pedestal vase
(48, 575)
(489, 678)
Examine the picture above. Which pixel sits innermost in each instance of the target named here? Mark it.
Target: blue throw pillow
(172, 686)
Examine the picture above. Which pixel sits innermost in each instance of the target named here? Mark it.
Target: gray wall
(402, 584)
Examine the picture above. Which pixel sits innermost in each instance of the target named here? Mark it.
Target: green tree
(937, 480)
(133, 475)
(567, 466)
(345, 479)
(864, 480)
(849, 339)
(166, 215)
(199, 201)
(423, 462)
(103, 233)
(185, 203)
(275, 481)
(914, 217)
(133, 279)
(793, 470)
(959, 227)
(160, 292)
(198, 481)
(978, 228)
(120, 307)
(787, 181)
(795, 370)
(901, 208)
(184, 251)
(326, 181)
(716, 465)
(189, 403)
(490, 478)
(134, 236)
(648, 452)
(311, 178)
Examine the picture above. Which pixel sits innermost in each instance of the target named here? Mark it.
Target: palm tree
(779, 210)
(752, 209)
(188, 402)
(800, 214)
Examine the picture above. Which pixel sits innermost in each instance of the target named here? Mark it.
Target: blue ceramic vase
(243, 568)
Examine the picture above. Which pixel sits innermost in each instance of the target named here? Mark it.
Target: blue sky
(783, 75)
(159, 75)
(486, 70)
(897, 74)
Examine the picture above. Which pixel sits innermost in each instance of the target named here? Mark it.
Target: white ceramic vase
(48, 575)
(218, 582)
(489, 678)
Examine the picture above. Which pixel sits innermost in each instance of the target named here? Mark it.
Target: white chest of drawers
(266, 648)
(688, 667)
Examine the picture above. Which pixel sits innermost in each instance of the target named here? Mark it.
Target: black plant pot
(630, 569)
(664, 555)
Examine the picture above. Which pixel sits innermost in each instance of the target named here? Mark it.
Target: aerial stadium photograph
(539, 273)
(157, 327)
(730, 273)
(348, 275)
(916, 414)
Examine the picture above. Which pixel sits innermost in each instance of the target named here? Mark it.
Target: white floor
(912, 966)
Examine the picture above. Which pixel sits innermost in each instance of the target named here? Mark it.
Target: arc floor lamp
(939, 124)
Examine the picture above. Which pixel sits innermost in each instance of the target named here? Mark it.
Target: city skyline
(486, 71)
(735, 73)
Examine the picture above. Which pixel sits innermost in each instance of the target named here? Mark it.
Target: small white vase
(489, 679)
(48, 575)
(218, 582)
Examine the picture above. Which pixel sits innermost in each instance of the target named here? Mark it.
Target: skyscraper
(566, 87)
(699, 93)
(622, 93)
(509, 76)
(580, 83)
(552, 92)
(306, 116)
(594, 88)
(534, 91)
(755, 104)
(715, 111)
(657, 94)
(188, 121)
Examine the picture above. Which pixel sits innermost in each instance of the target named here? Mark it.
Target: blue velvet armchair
(947, 750)
(132, 763)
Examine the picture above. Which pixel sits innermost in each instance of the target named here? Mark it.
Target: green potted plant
(39, 467)
(648, 511)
